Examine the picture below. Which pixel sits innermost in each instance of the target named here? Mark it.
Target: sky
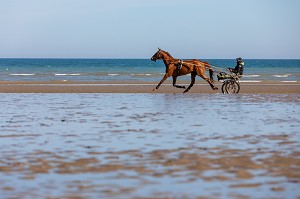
(206, 29)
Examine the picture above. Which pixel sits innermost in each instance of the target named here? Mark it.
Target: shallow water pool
(149, 145)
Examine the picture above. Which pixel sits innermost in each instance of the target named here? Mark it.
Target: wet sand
(141, 87)
(125, 145)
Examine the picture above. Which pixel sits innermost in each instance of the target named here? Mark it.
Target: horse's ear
(159, 49)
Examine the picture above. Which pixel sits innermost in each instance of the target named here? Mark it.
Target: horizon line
(139, 58)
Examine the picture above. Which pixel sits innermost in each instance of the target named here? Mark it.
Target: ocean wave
(285, 75)
(62, 74)
(250, 81)
(146, 74)
(251, 75)
(113, 74)
(22, 74)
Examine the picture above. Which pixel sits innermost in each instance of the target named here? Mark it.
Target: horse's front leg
(174, 83)
(161, 81)
(193, 77)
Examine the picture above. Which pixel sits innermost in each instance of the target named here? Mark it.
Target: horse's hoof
(154, 90)
(215, 88)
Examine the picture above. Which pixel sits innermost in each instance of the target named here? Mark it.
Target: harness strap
(179, 66)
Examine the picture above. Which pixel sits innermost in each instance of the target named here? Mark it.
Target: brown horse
(177, 67)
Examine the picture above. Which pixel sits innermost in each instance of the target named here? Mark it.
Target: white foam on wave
(251, 75)
(112, 74)
(285, 75)
(22, 74)
(147, 74)
(289, 81)
(63, 74)
(251, 81)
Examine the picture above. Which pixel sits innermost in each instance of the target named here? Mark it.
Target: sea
(97, 70)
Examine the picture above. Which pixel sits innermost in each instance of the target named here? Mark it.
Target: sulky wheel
(223, 87)
(230, 86)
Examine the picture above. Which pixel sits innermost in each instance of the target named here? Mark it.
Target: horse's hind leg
(209, 82)
(202, 74)
(174, 83)
(193, 77)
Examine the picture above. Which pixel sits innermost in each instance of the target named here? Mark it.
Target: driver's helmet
(239, 59)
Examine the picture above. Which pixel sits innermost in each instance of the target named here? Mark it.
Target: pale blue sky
(135, 28)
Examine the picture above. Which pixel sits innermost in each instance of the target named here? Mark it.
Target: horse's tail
(211, 75)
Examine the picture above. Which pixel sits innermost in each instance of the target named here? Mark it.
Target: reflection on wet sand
(107, 145)
(238, 169)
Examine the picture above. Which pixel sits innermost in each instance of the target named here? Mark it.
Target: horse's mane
(167, 53)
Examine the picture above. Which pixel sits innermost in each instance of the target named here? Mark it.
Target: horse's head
(158, 55)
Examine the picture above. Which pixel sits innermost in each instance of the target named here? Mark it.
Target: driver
(239, 68)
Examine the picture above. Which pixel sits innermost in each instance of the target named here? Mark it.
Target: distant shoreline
(265, 87)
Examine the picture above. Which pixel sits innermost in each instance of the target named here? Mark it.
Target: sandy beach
(141, 87)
